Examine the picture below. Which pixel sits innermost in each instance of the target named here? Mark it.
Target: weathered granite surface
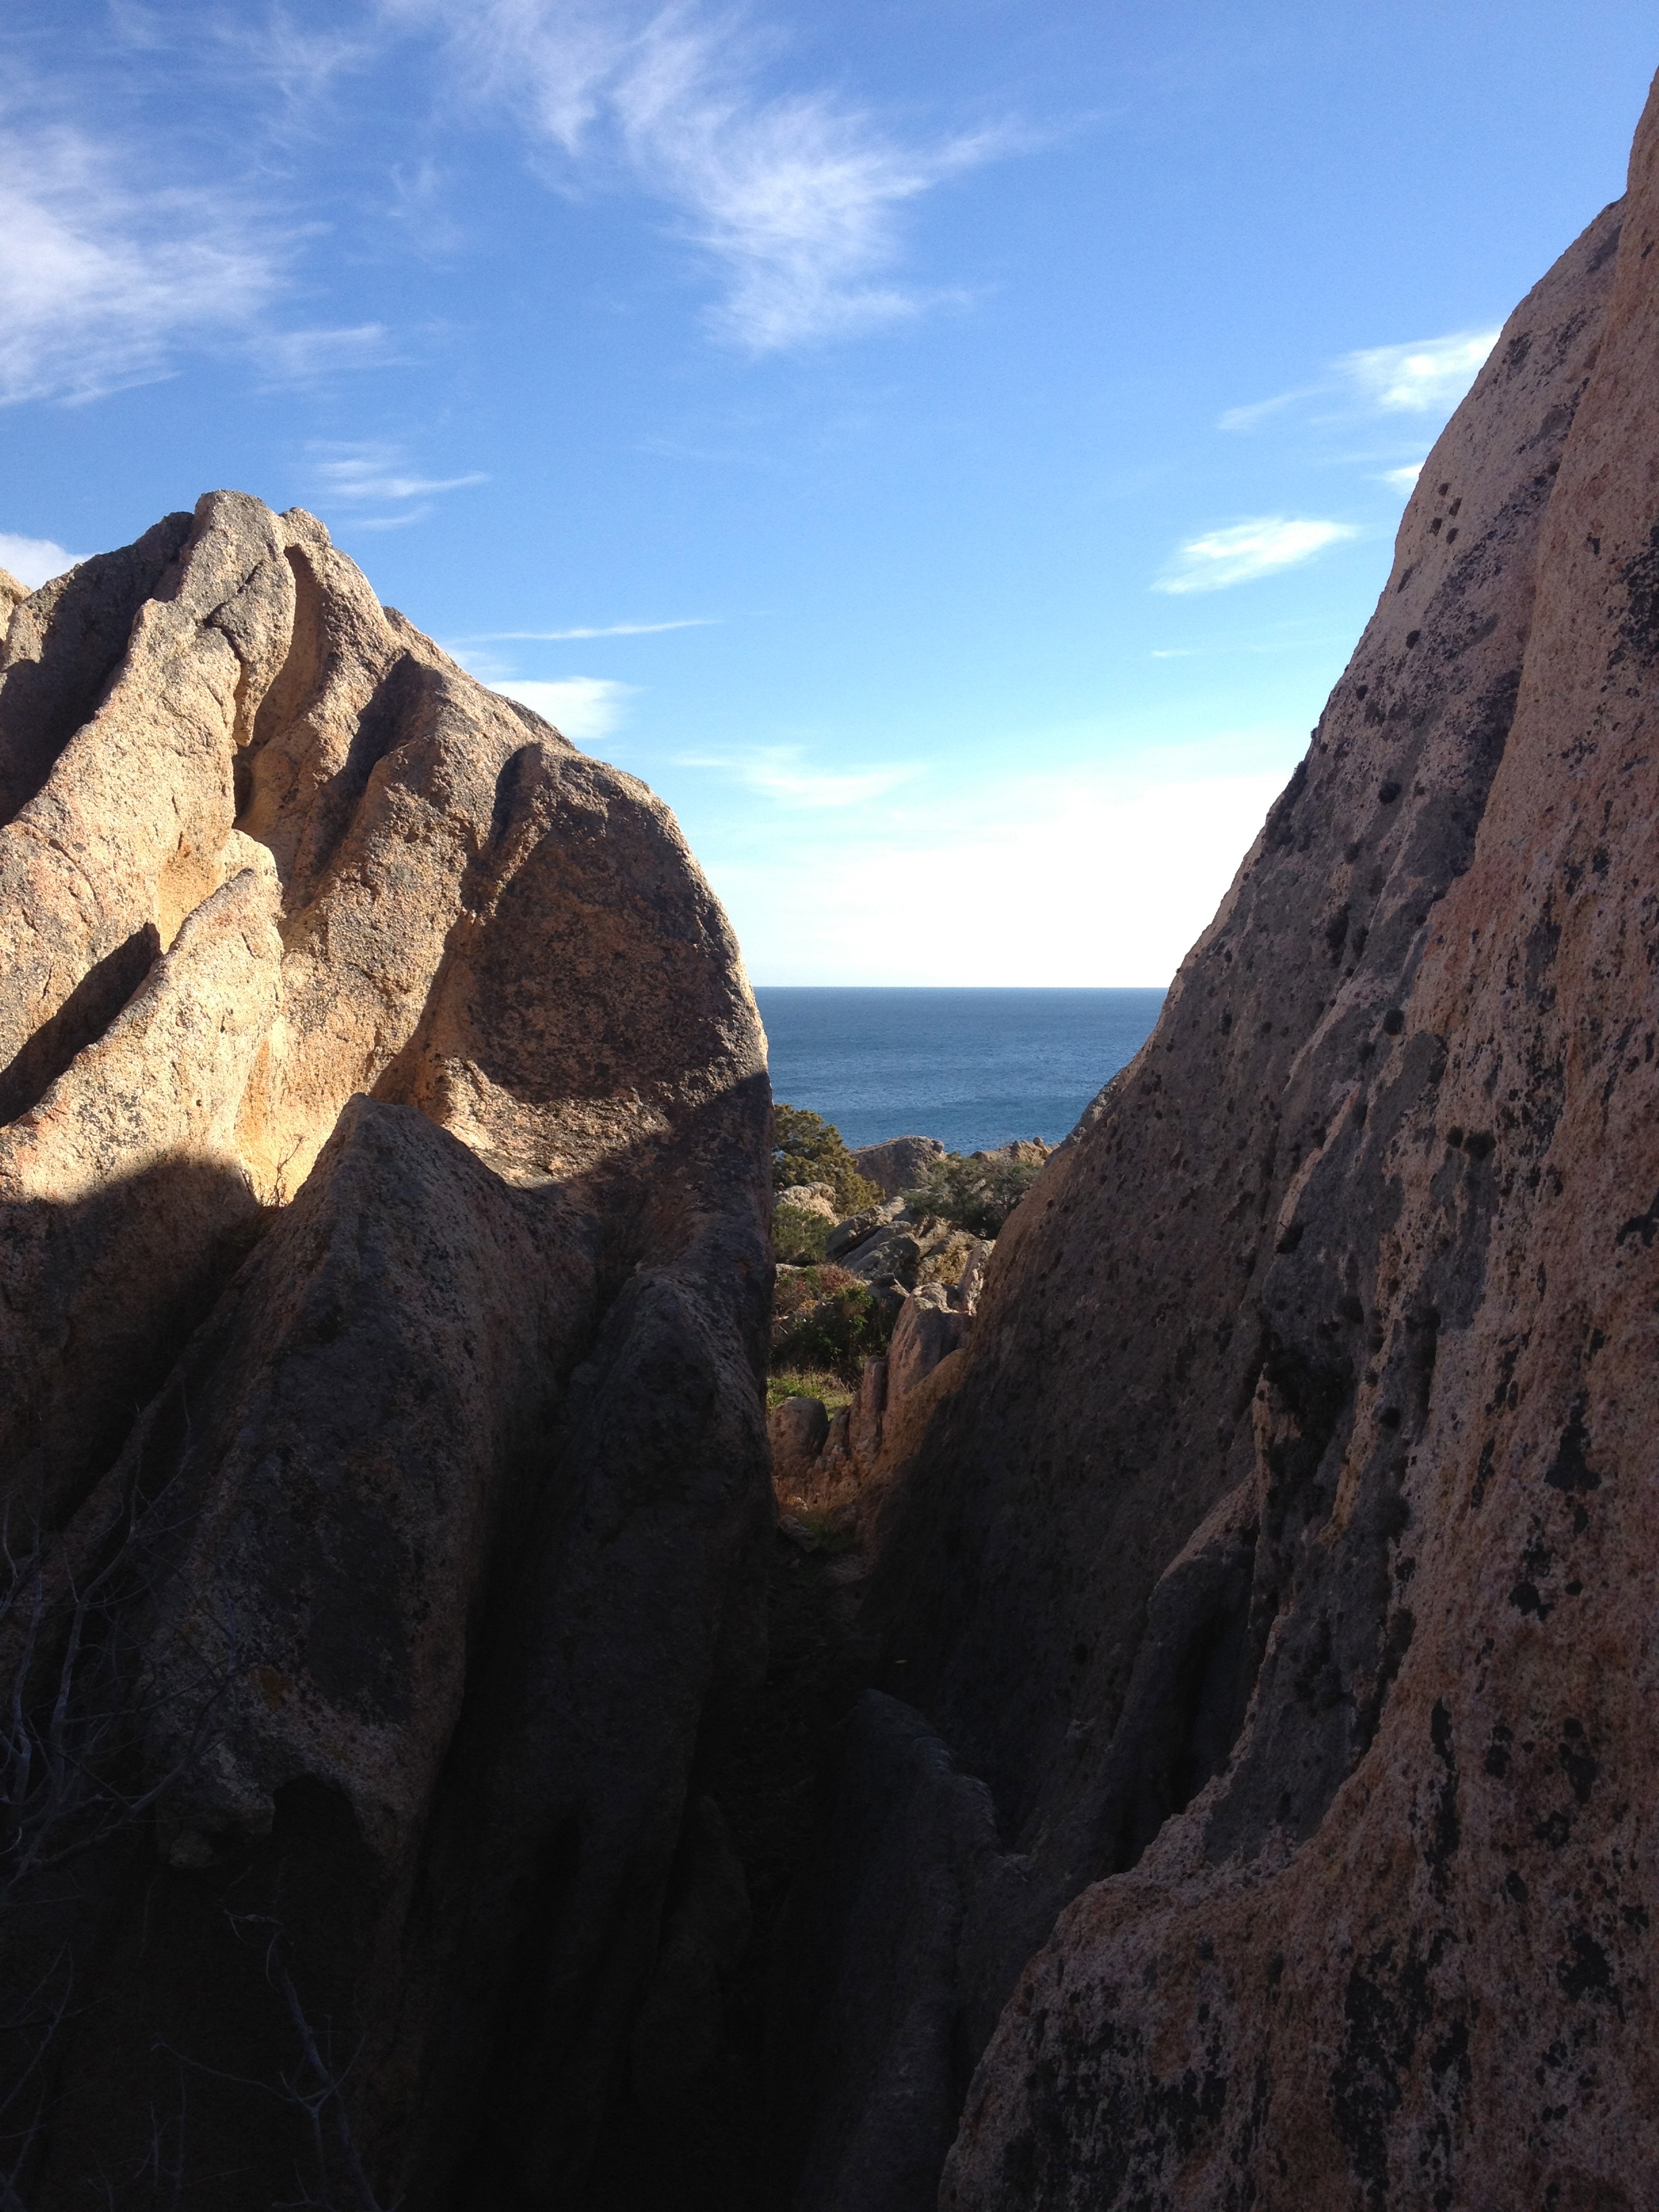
(384, 1281)
(1281, 1555)
(898, 1163)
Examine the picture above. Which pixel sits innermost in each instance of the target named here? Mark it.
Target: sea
(972, 1068)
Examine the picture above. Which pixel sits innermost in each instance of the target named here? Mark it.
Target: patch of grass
(830, 1390)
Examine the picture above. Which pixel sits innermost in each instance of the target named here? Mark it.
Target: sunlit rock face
(1283, 1556)
(383, 1292)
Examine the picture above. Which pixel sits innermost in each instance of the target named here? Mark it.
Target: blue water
(972, 1068)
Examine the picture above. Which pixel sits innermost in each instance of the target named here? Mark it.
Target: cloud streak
(359, 473)
(1238, 554)
(102, 277)
(1403, 480)
(373, 481)
(308, 356)
(607, 629)
(795, 197)
(1428, 376)
(774, 772)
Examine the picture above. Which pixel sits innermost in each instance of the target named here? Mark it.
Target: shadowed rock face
(383, 1289)
(1282, 1555)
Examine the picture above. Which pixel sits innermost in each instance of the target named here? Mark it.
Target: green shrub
(805, 1289)
(838, 1333)
(974, 1194)
(797, 1235)
(805, 1148)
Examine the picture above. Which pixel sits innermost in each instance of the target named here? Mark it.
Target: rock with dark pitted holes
(1279, 1554)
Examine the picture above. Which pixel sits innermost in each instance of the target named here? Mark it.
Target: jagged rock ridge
(1269, 1596)
(383, 1293)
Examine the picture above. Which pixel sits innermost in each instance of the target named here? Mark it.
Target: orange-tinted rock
(122, 1195)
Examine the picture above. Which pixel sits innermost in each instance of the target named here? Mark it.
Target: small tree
(798, 1237)
(805, 1148)
(835, 1333)
(977, 1195)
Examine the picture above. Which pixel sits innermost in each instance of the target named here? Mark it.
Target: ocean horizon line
(972, 1064)
(755, 985)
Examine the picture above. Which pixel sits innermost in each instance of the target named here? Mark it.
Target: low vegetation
(976, 1193)
(798, 1237)
(804, 1286)
(831, 1392)
(829, 1328)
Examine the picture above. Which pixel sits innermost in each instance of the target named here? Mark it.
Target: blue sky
(947, 447)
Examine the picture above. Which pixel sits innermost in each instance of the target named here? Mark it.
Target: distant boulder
(797, 1430)
(899, 1163)
(1019, 1152)
(852, 1232)
(894, 1256)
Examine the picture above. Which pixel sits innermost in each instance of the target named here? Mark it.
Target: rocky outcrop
(889, 1245)
(1277, 1552)
(383, 1295)
(923, 1276)
(852, 1231)
(898, 1164)
(929, 1327)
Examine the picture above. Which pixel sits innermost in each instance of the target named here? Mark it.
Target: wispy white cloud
(583, 706)
(104, 271)
(355, 474)
(1404, 480)
(607, 629)
(375, 484)
(299, 66)
(776, 772)
(305, 356)
(796, 197)
(1427, 377)
(1259, 410)
(34, 561)
(1247, 550)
